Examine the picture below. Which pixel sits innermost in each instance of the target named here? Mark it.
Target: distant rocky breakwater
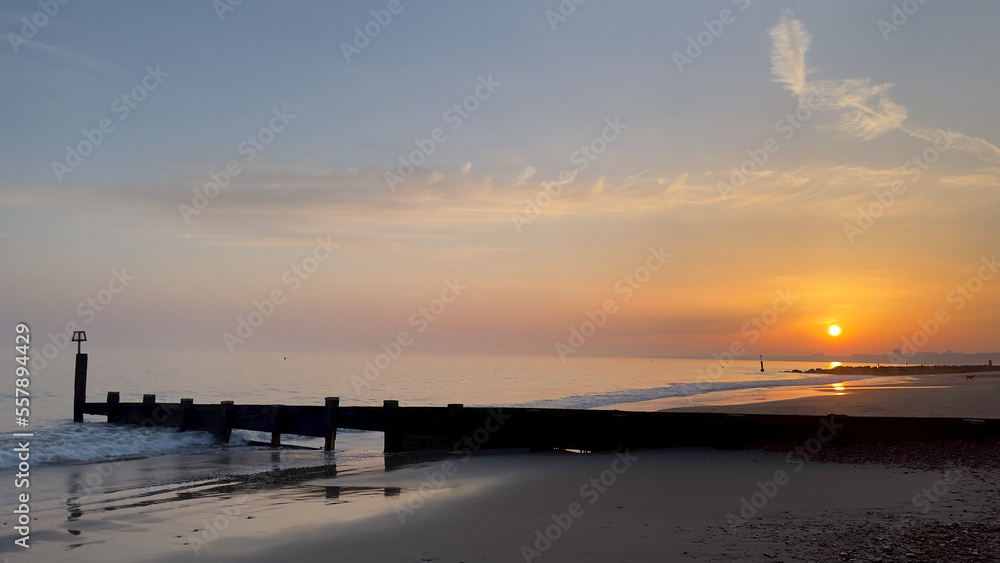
(899, 370)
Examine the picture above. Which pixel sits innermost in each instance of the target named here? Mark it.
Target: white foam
(69, 442)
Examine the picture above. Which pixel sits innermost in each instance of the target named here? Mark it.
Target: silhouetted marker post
(80, 380)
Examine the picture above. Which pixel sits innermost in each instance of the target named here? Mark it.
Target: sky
(625, 179)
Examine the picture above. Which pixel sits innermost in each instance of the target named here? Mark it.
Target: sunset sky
(562, 149)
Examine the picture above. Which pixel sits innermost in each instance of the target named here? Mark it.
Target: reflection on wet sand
(105, 487)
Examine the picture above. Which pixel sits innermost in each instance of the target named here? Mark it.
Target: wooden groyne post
(226, 431)
(187, 408)
(331, 408)
(276, 412)
(114, 407)
(392, 427)
(148, 406)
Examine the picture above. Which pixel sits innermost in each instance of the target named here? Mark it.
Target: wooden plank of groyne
(99, 409)
(187, 414)
(362, 418)
(305, 420)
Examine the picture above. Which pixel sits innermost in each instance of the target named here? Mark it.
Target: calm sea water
(362, 379)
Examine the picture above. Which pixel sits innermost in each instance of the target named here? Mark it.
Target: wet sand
(948, 395)
(676, 505)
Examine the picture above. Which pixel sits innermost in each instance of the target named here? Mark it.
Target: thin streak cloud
(866, 110)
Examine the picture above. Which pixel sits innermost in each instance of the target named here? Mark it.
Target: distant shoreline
(899, 370)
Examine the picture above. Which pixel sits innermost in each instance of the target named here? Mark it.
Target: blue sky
(655, 184)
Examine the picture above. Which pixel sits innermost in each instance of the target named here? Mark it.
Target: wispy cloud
(789, 43)
(528, 172)
(74, 58)
(287, 199)
(865, 110)
(56, 60)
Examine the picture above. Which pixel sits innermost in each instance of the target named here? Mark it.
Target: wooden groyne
(460, 428)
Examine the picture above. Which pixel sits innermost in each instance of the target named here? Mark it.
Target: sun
(834, 330)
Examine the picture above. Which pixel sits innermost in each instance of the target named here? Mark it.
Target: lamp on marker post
(80, 379)
(79, 336)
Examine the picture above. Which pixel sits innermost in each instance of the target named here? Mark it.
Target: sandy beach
(658, 506)
(929, 501)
